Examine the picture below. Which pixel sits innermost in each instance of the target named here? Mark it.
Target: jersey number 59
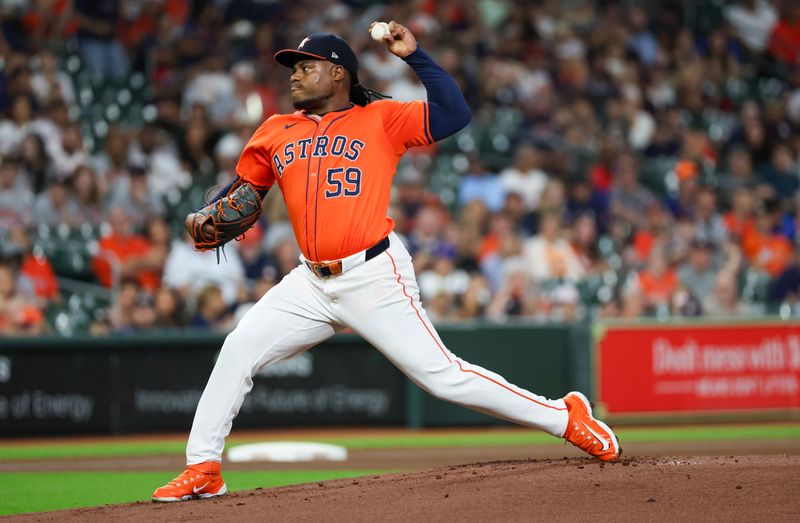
(343, 182)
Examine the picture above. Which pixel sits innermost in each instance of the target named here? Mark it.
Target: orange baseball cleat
(201, 481)
(588, 434)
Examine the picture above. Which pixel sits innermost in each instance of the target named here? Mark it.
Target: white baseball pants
(378, 299)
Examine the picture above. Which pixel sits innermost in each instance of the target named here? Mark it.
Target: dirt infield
(739, 480)
(743, 488)
(416, 458)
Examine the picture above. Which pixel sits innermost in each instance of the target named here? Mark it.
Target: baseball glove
(225, 219)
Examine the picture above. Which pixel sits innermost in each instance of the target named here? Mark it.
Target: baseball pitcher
(333, 160)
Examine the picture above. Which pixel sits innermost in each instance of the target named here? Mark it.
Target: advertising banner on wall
(122, 386)
(683, 369)
(43, 389)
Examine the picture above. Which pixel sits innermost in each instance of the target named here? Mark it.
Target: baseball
(379, 30)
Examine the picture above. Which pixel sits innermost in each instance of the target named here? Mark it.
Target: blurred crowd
(625, 159)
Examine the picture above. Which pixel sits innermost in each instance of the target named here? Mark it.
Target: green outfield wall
(153, 383)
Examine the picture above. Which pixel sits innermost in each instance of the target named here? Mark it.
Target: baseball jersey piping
(449, 359)
(426, 123)
(316, 195)
(308, 175)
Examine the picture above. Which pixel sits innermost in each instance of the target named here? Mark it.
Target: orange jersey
(335, 171)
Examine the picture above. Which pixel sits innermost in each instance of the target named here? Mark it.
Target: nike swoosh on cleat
(201, 487)
(599, 437)
(290, 125)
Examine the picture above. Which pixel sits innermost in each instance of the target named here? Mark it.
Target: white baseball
(379, 30)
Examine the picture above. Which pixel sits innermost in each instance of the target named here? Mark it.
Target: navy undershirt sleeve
(449, 112)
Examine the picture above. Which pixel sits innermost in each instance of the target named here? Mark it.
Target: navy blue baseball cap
(326, 46)
(321, 46)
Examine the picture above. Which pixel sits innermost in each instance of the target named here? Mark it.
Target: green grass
(42, 491)
(487, 438)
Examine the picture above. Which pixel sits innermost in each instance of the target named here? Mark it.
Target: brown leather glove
(225, 219)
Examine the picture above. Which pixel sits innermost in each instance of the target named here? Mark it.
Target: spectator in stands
(683, 205)
(111, 163)
(765, 249)
(97, 35)
(254, 259)
(226, 155)
(708, 222)
(515, 297)
(196, 150)
(641, 40)
(525, 223)
(245, 102)
(739, 174)
(752, 22)
(189, 271)
(739, 220)
(212, 311)
(684, 302)
(119, 317)
(784, 43)
(640, 123)
(498, 249)
(554, 198)
(548, 255)
(16, 198)
(168, 308)
(285, 256)
(628, 198)
(657, 281)
(124, 254)
(210, 87)
(782, 173)
(56, 205)
(143, 314)
(655, 229)
(14, 129)
(85, 190)
(48, 22)
(479, 183)
(70, 153)
(698, 273)
(443, 278)
(35, 162)
(583, 240)
(49, 84)
(525, 176)
(159, 238)
(154, 151)
(409, 197)
(786, 287)
(725, 300)
(427, 232)
(18, 314)
(633, 300)
(34, 266)
(132, 193)
(475, 300)
(582, 199)
(790, 221)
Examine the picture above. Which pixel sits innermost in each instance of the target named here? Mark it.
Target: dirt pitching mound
(749, 488)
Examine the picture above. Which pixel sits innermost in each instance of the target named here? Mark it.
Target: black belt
(376, 249)
(325, 269)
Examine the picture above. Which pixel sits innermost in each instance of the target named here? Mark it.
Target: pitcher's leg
(288, 320)
(387, 312)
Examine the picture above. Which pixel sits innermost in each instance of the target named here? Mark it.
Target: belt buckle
(324, 270)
